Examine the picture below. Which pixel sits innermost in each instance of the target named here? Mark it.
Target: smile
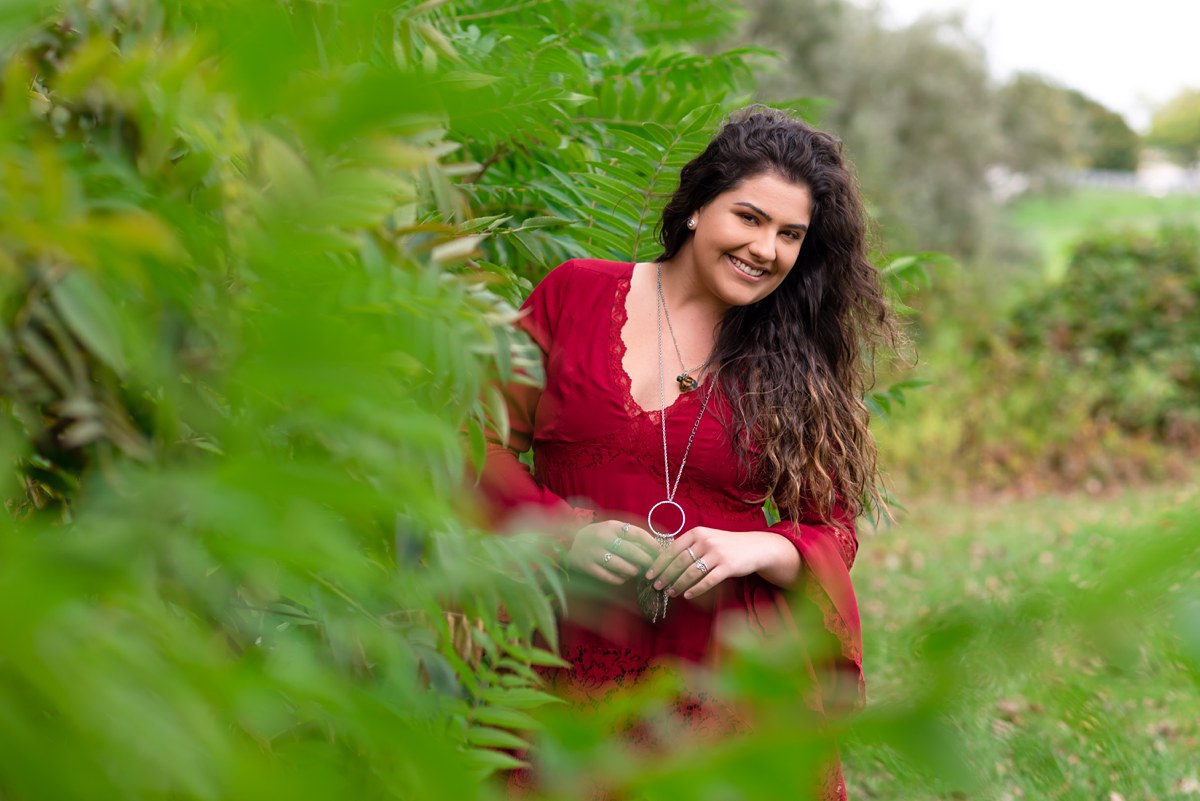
(746, 269)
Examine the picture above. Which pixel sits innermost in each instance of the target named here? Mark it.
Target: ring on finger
(617, 543)
(607, 558)
(699, 565)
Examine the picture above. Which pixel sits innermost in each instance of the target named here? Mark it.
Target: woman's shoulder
(572, 285)
(590, 269)
(578, 280)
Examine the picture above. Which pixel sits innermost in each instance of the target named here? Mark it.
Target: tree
(1047, 126)
(1039, 125)
(913, 106)
(1108, 143)
(1175, 128)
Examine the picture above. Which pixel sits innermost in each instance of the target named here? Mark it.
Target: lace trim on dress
(616, 360)
(616, 351)
(836, 626)
(848, 545)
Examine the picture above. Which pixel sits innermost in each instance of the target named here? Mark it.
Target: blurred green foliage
(1175, 128)
(1049, 127)
(1067, 364)
(245, 359)
(258, 263)
(1127, 315)
(235, 370)
(1058, 634)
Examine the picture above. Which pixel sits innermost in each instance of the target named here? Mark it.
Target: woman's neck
(686, 297)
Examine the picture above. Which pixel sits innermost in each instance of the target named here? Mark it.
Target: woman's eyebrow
(768, 217)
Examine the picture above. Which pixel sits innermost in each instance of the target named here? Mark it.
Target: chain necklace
(652, 602)
(686, 382)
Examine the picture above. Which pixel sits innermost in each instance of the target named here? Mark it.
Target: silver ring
(689, 550)
(607, 557)
(625, 528)
(703, 568)
(617, 543)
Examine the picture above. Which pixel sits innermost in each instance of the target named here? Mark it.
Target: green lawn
(1055, 639)
(1052, 223)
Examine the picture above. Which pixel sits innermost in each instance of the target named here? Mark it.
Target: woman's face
(747, 239)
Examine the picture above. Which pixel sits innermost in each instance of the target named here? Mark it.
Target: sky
(1130, 56)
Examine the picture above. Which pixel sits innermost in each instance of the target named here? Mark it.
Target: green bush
(1090, 381)
(241, 339)
(1125, 319)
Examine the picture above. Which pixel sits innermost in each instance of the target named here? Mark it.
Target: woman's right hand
(612, 551)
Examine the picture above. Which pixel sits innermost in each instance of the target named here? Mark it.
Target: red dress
(598, 455)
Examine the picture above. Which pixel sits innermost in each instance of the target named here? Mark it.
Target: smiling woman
(758, 308)
(744, 243)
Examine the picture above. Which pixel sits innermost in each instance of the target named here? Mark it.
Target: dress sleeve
(827, 549)
(507, 484)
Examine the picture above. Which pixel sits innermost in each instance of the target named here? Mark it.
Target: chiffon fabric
(598, 455)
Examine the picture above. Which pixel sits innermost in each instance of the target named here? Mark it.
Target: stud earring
(691, 224)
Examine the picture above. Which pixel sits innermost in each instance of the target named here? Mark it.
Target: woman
(683, 393)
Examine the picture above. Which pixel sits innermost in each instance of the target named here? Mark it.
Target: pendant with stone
(686, 382)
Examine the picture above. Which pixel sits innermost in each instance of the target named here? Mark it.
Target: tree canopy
(1175, 128)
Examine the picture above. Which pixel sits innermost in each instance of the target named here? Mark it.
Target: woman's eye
(748, 218)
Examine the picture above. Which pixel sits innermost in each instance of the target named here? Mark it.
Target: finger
(673, 571)
(596, 571)
(617, 564)
(634, 552)
(641, 540)
(662, 563)
(712, 578)
(636, 556)
(690, 576)
(665, 558)
(690, 572)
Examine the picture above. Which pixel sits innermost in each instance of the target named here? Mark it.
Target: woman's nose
(763, 247)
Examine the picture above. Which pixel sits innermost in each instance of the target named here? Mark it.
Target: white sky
(1131, 56)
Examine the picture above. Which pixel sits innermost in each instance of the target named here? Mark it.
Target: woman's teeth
(746, 268)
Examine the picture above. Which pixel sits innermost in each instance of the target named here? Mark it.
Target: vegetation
(1041, 230)
(927, 127)
(1125, 316)
(241, 342)
(1048, 127)
(1073, 666)
(1175, 128)
(1038, 362)
(258, 267)
(913, 106)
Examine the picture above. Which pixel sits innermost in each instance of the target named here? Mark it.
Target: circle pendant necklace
(653, 603)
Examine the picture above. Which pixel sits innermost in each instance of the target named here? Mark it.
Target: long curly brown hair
(795, 365)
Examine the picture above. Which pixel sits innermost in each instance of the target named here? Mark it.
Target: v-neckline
(618, 350)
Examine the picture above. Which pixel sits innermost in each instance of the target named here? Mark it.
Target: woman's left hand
(701, 558)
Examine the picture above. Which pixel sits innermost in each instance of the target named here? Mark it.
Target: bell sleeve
(508, 486)
(827, 550)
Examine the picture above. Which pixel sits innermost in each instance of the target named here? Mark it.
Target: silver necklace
(686, 381)
(652, 602)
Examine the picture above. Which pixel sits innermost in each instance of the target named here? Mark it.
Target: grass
(1053, 633)
(1051, 224)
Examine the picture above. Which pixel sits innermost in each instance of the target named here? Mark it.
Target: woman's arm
(724, 555)
(777, 554)
(606, 549)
